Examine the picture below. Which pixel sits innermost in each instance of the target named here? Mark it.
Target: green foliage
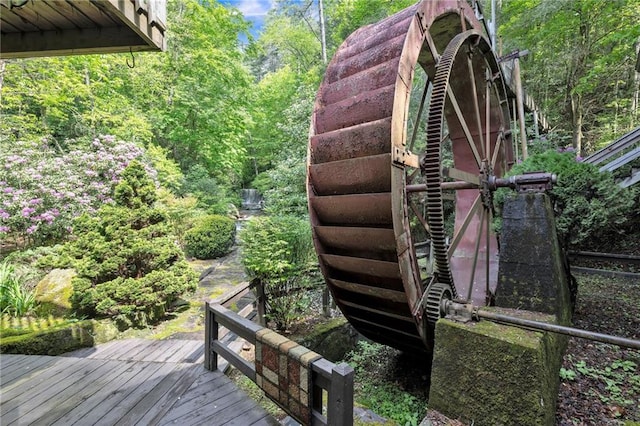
(610, 380)
(212, 237)
(15, 298)
(42, 188)
(589, 205)
(284, 187)
(580, 70)
(277, 251)
(384, 398)
(129, 267)
(212, 197)
(169, 174)
(181, 213)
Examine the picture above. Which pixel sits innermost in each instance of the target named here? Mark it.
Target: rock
(332, 339)
(54, 292)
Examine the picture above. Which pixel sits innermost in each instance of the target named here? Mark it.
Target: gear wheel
(436, 293)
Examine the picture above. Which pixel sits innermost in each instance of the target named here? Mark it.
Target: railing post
(340, 409)
(210, 335)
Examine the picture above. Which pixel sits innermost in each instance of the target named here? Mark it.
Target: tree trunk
(576, 118)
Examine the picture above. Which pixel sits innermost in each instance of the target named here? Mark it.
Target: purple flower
(4, 214)
(4, 229)
(26, 212)
(35, 201)
(32, 229)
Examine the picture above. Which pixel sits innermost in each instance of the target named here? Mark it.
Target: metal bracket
(406, 158)
(462, 312)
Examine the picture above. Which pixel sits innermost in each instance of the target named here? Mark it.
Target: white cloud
(253, 7)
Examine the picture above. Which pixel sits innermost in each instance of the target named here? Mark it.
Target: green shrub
(129, 266)
(15, 298)
(212, 237)
(278, 253)
(589, 205)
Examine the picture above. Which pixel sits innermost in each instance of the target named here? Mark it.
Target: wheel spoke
(421, 219)
(487, 116)
(476, 106)
(486, 253)
(496, 149)
(465, 224)
(463, 124)
(416, 124)
(458, 174)
(432, 47)
(475, 254)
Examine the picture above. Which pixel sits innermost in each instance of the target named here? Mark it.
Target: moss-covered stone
(332, 339)
(60, 337)
(492, 374)
(54, 291)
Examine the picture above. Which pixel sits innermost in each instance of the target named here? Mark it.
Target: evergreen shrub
(590, 207)
(129, 266)
(212, 237)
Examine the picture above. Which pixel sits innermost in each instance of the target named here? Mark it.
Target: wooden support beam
(67, 42)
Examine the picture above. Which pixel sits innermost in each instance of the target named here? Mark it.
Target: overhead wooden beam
(69, 42)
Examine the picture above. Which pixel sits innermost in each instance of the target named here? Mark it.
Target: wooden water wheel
(410, 128)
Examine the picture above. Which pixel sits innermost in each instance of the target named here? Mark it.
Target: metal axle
(471, 312)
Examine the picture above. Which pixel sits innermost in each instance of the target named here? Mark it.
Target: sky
(254, 11)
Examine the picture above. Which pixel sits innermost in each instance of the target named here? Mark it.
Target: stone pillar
(531, 274)
(485, 373)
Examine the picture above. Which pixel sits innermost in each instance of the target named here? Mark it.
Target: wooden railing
(291, 375)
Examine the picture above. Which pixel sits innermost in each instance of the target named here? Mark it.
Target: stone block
(531, 274)
(491, 374)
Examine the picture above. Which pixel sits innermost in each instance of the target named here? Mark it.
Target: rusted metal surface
(364, 140)
(369, 203)
(354, 209)
(363, 175)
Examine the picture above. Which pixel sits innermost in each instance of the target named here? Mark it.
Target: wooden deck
(123, 382)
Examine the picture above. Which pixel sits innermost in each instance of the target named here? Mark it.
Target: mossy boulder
(332, 339)
(52, 336)
(492, 374)
(54, 291)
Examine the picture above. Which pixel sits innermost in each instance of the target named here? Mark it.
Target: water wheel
(409, 129)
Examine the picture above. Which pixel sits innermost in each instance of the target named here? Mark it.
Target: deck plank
(162, 396)
(66, 395)
(123, 350)
(163, 351)
(112, 410)
(20, 405)
(180, 411)
(51, 372)
(9, 359)
(188, 347)
(22, 370)
(118, 390)
(96, 386)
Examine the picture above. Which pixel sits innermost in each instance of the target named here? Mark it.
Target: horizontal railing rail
(291, 375)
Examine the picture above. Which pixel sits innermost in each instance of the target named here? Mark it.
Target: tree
(581, 66)
(129, 267)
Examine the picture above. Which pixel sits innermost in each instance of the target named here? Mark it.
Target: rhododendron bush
(42, 189)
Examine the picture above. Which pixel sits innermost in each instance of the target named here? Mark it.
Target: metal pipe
(554, 328)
